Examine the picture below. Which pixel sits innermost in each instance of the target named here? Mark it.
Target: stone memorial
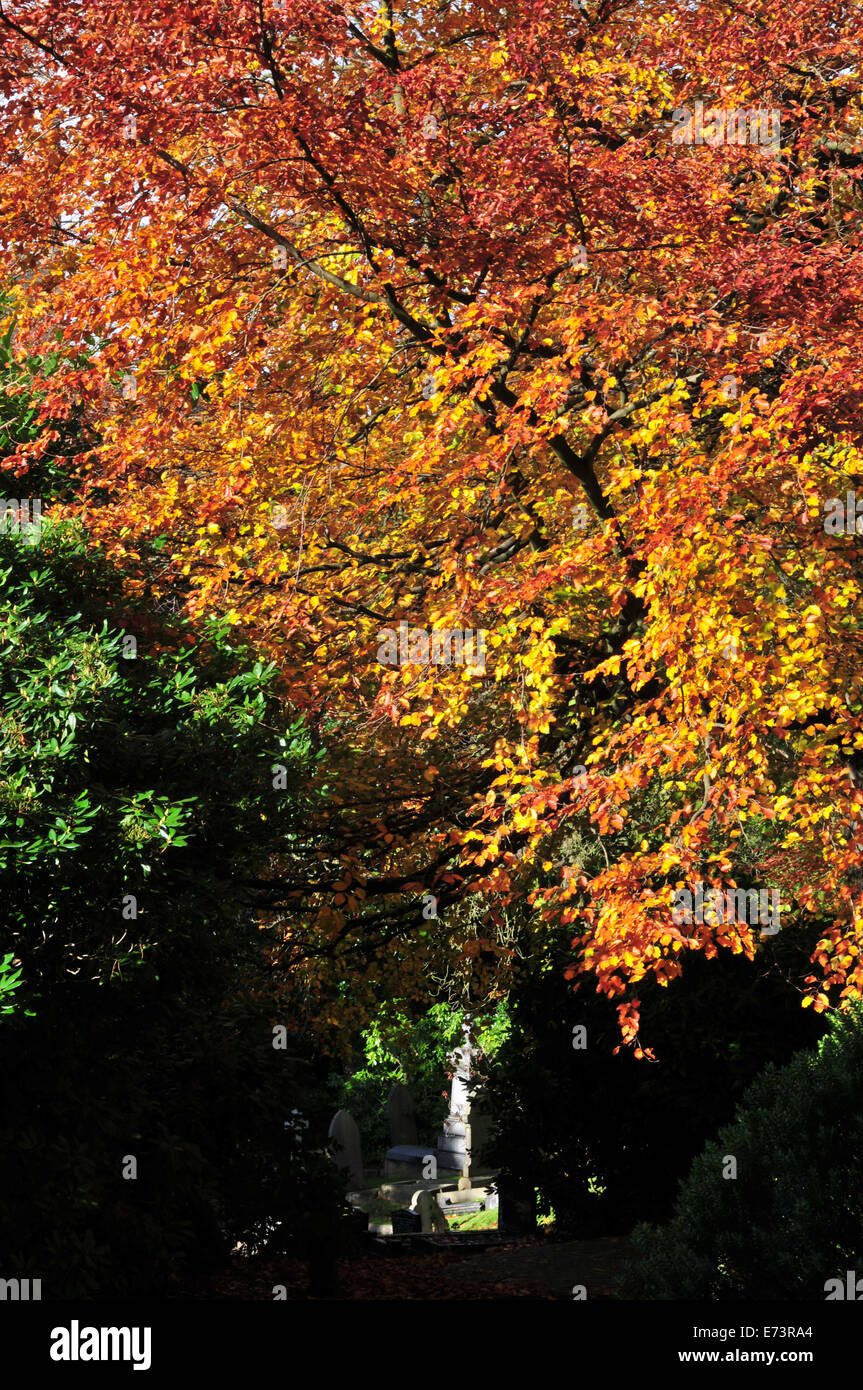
(454, 1144)
(405, 1157)
(405, 1222)
(411, 1161)
(401, 1117)
(426, 1204)
(345, 1146)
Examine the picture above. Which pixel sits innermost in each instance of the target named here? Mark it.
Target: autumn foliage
(417, 313)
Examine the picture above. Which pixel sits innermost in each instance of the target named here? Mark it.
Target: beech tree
(533, 319)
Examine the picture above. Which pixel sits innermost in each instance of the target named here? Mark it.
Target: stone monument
(345, 1145)
(401, 1116)
(406, 1158)
(454, 1144)
(426, 1204)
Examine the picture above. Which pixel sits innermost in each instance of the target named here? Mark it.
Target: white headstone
(345, 1145)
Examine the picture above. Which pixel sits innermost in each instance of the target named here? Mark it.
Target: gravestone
(405, 1157)
(345, 1145)
(401, 1117)
(425, 1203)
(411, 1161)
(406, 1222)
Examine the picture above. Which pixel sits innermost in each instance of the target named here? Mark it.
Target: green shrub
(136, 1010)
(793, 1216)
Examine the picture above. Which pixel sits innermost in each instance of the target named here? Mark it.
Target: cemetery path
(555, 1268)
(532, 1268)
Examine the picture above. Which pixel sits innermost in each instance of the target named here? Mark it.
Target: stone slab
(403, 1153)
(410, 1160)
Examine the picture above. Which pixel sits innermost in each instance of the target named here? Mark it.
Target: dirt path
(441, 1268)
(598, 1265)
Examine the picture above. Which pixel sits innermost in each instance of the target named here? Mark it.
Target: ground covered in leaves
(439, 1267)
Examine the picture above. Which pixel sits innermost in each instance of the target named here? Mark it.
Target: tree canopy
(419, 313)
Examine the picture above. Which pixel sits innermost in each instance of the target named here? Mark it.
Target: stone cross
(462, 1059)
(455, 1142)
